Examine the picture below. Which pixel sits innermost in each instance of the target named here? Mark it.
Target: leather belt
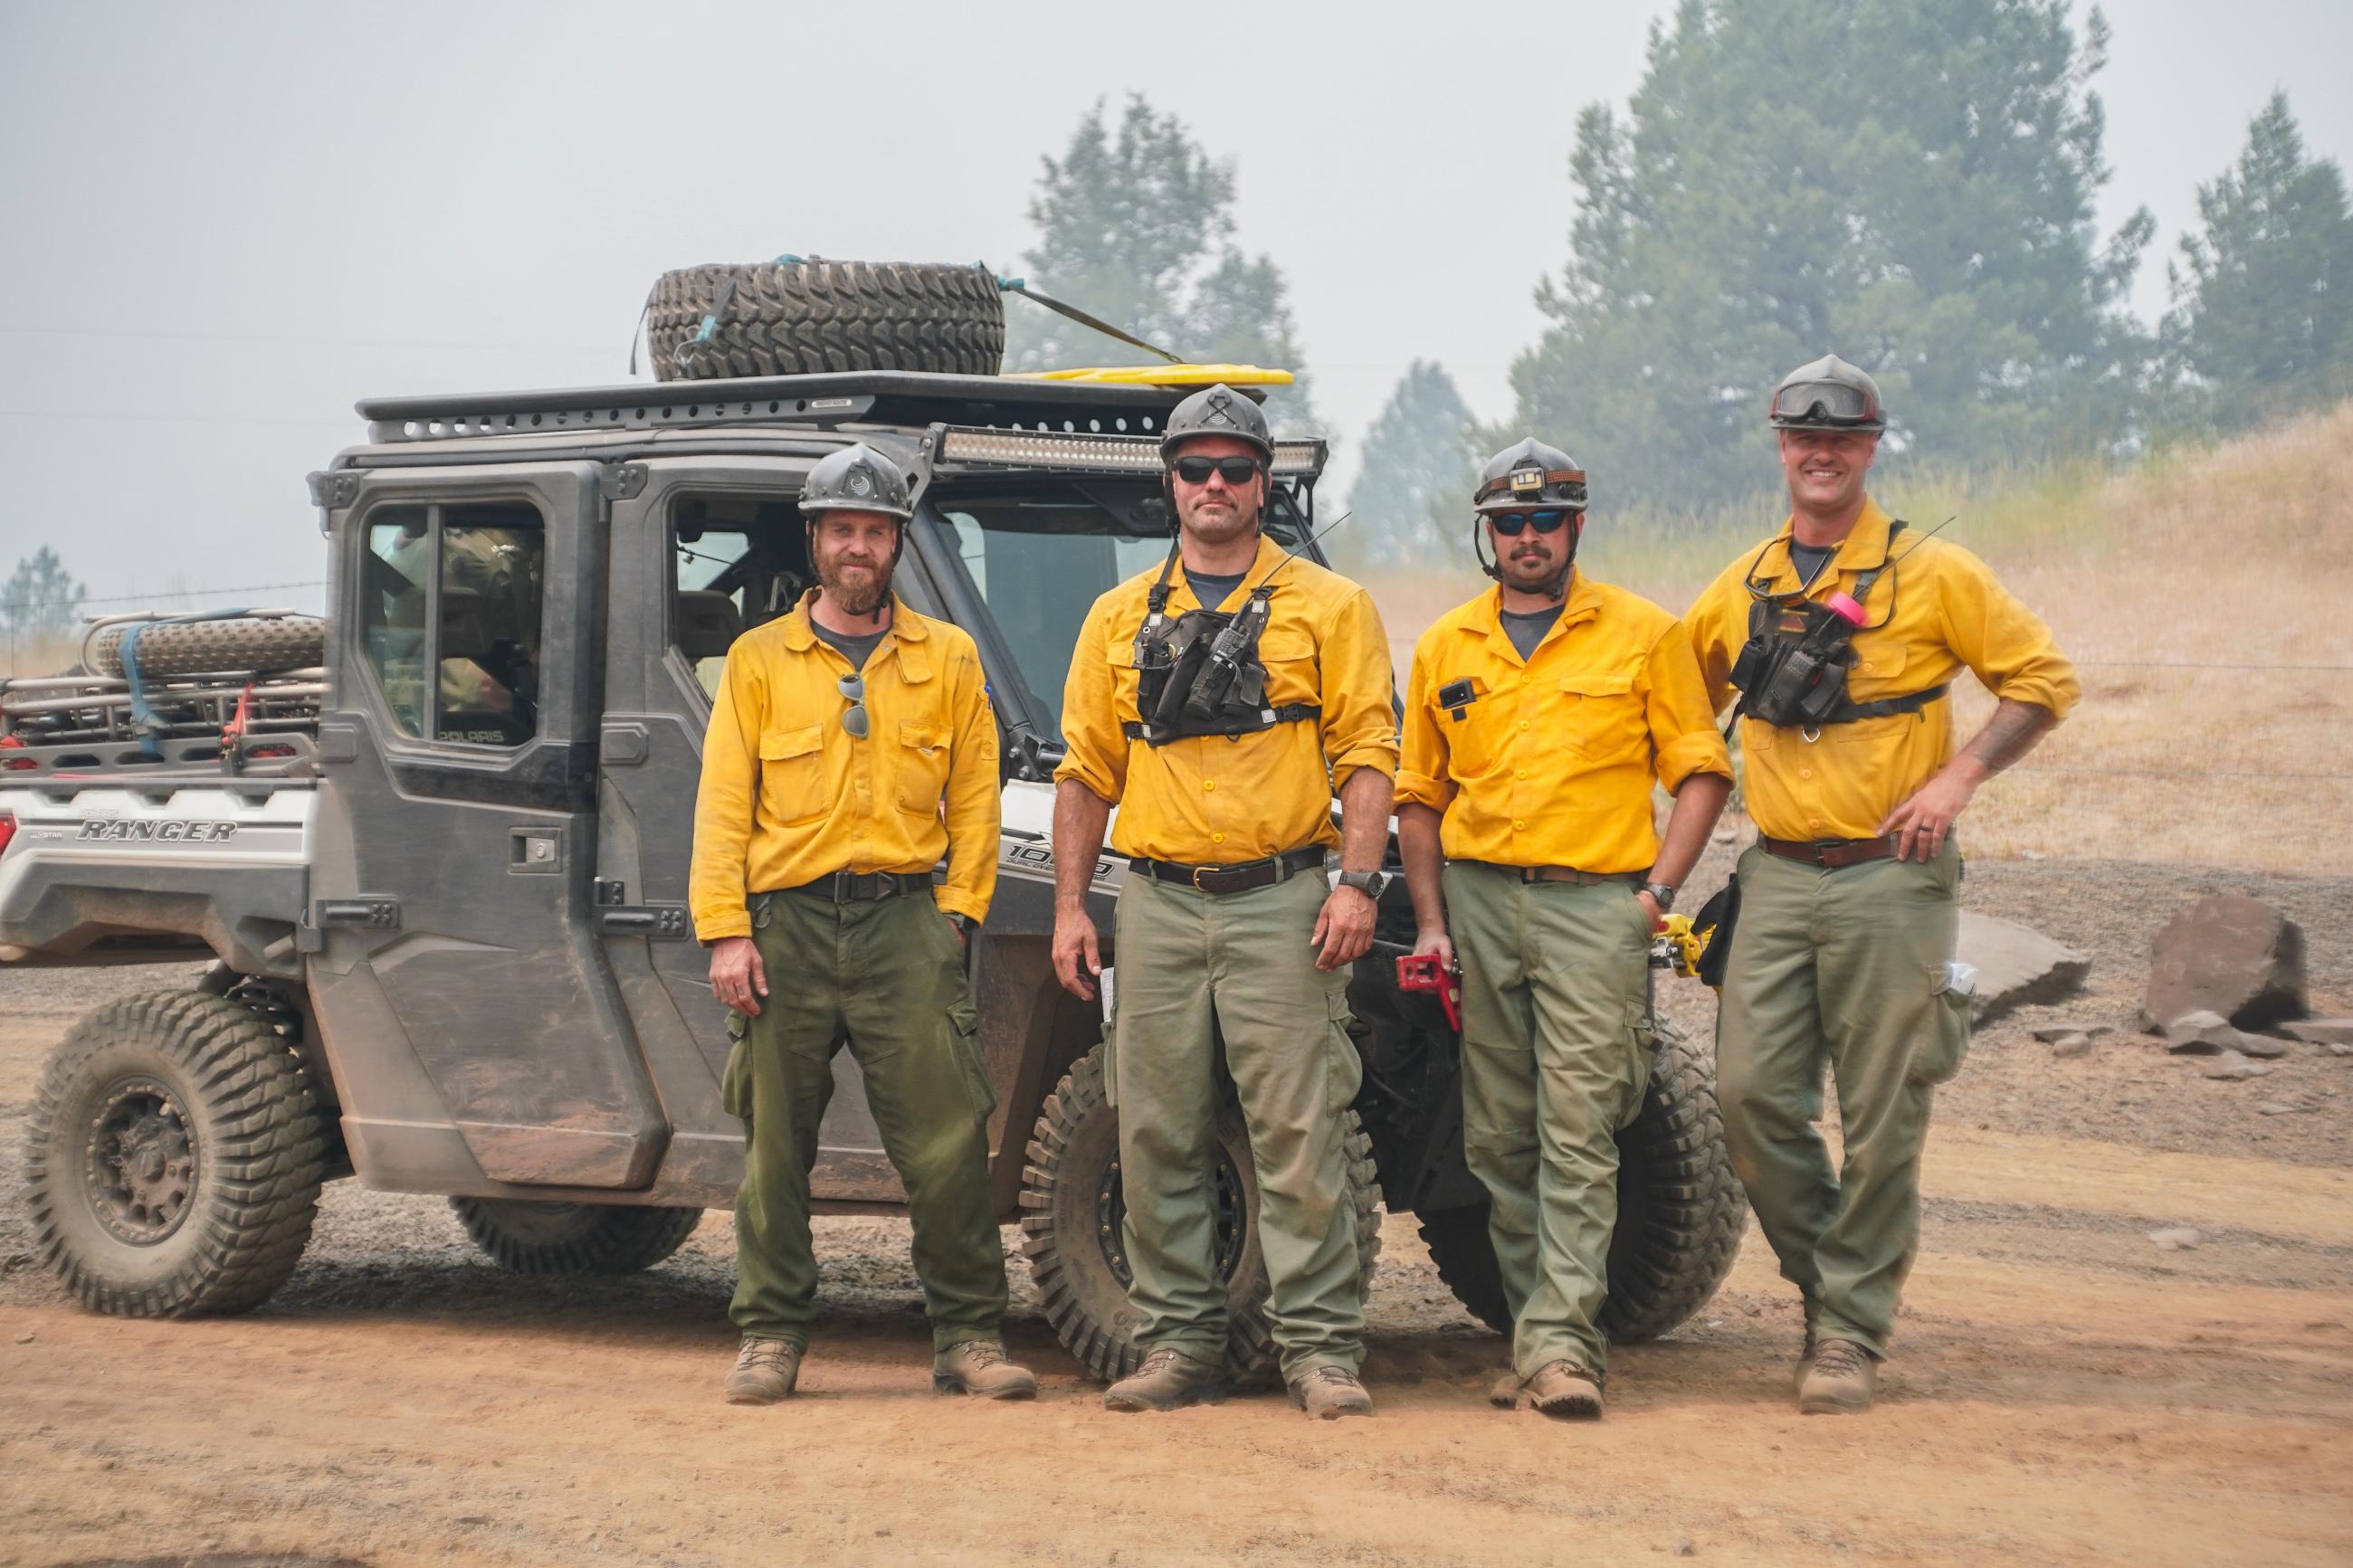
(863, 887)
(1239, 877)
(1560, 874)
(1831, 854)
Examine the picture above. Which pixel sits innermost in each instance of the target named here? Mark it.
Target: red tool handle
(1422, 972)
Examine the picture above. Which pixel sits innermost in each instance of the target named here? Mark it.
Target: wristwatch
(1369, 883)
(1660, 894)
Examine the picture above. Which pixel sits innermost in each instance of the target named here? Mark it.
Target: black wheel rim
(139, 1161)
(1233, 1221)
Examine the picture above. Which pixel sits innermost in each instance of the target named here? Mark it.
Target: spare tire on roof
(795, 318)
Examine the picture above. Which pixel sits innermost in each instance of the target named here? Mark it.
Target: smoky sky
(224, 224)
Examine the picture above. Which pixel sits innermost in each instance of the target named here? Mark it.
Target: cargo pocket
(1641, 1037)
(1948, 1025)
(964, 1039)
(735, 1083)
(1343, 1069)
(1105, 983)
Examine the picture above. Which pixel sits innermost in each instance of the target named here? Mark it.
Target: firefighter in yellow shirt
(1222, 736)
(836, 734)
(1537, 719)
(1842, 636)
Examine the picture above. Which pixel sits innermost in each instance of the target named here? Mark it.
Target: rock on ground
(2320, 1031)
(2231, 1065)
(2229, 954)
(2203, 1032)
(2017, 965)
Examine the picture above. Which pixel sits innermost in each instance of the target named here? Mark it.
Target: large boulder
(2228, 955)
(2016, 965)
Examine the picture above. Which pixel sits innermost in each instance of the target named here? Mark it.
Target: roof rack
(887, 397)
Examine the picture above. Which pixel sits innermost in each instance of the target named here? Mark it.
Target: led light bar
(964, 444)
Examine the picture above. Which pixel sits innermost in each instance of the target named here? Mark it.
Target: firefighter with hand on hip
(1842, 635)
(1219, 701)
(836, 733)
(1537, 719)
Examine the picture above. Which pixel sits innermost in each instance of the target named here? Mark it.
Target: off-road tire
(255, 1155)
(526, 1237)
(1071, 1159)
(1680, 1211)
(262, 645)
(800, 318)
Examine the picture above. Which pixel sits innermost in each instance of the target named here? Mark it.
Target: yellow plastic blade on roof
(1162, 375)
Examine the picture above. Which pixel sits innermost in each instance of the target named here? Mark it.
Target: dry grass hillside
(2204, 594)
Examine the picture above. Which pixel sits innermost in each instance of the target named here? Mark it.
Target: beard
(858, 593)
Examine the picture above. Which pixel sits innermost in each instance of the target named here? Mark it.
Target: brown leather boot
(1328, 1393)
(1840, 1381)
(1168, 1380)
(765, 1372)
(979, 1366)
(1565, 1389)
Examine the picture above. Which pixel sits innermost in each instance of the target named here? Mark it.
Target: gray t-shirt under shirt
(1809, 560)
(856, 649)
(1212, 591)
(1527, 630)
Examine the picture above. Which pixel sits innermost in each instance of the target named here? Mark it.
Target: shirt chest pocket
(1879, 670)
(1600, 715)
(1289, 655)
(920, 767)
(794, 788)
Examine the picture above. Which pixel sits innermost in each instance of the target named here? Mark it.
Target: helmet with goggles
(1827, 394)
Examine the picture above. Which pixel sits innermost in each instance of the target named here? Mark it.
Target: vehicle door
(473, 1020)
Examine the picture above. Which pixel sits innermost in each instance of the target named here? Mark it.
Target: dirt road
(2065, 1391)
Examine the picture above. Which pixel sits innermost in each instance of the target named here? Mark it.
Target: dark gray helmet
(1530, 474)
(1827, 394)
(1217, 410)
(857, 478)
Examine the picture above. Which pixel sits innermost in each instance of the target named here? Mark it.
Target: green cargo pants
(887, 979)
(1844, 968)
(1555, 1060)
(1239, 962)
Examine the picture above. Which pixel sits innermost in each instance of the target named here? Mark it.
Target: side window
(450, 616)
(737, 561)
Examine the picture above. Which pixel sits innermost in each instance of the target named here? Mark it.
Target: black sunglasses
(1236, 471)
(1511, 524)
(853, 720)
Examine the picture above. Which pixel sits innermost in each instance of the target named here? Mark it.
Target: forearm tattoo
(2010, 734)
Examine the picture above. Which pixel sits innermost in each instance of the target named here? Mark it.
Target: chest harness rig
(1199, 673)
(1792, 671)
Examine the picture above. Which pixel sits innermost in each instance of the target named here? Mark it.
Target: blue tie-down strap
(144, 720)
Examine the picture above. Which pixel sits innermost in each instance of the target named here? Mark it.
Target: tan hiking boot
(1328, 1393)
(1504, 1394)
(1805, 1363)
(978, 1366)
(764, 1372)
(1168, 1380)
(1840, 1381)
(1565, 1389)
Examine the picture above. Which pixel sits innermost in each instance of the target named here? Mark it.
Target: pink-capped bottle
(1841, 604)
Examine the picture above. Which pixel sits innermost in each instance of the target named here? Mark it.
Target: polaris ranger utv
(437, 847)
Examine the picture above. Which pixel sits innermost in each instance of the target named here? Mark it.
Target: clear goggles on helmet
(1823, 401)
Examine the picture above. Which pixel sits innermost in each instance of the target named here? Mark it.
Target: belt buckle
(1197, 879)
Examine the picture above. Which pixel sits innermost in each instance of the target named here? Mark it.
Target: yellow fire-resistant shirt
(1551, 763)
(788, 795)
(1214, 800)
(1935, 609)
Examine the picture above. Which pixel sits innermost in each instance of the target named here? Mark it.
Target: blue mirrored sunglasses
(1511, 524)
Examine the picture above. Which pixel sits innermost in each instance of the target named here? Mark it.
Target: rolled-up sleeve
(717, 889)
(1683, 737)
(1094, 746)
(2007, 645)
(974, 807)
(1425, 776)
(1357, 692)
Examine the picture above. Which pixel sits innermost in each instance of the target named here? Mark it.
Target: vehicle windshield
(1041, 555)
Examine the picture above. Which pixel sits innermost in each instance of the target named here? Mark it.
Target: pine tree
(41, 599)
(2261, 321)
(1135, 226)
(1906, 182)
(1411, 503)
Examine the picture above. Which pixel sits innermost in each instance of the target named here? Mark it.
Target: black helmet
(1217, 410)
(1827, 394)
(857, 478)
(1530, 474)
